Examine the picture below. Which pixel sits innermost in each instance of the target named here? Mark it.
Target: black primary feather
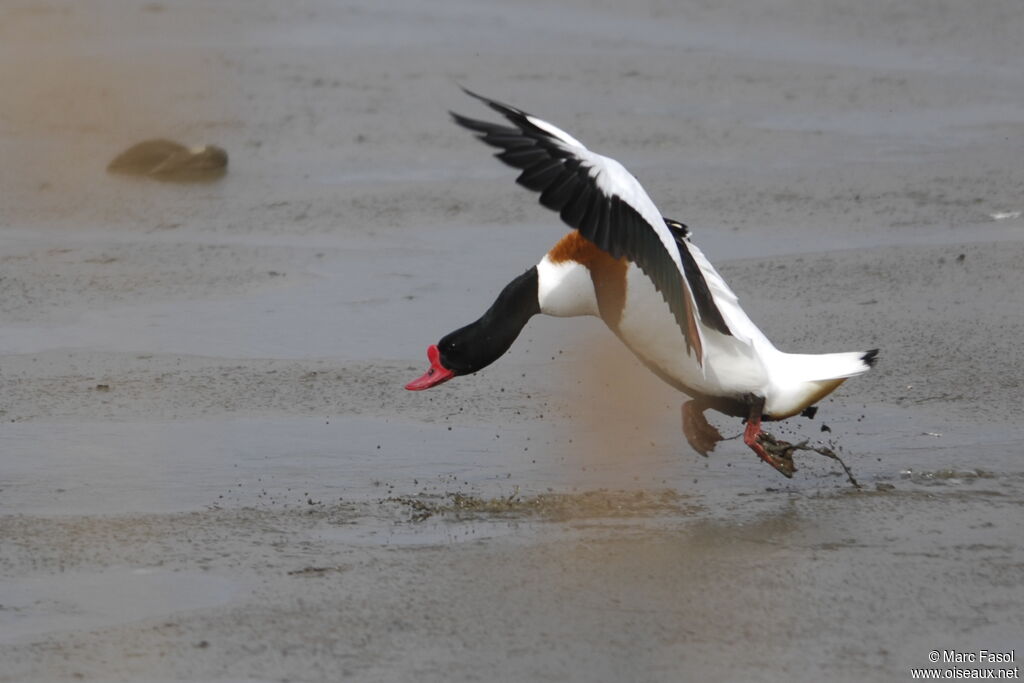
(566, 186)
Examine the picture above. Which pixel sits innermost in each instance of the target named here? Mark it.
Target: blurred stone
(169, 160)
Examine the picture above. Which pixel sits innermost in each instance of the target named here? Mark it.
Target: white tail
(813, 367)
(803, 379)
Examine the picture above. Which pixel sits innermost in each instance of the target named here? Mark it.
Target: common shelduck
(653, 287)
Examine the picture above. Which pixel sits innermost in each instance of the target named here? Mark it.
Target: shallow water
(374, 297)
(173, 466)
(82, 601)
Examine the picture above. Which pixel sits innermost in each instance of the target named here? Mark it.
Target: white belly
(650, 330)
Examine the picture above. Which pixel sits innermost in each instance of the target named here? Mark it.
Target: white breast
(565, 289)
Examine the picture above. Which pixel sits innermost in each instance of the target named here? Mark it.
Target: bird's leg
(701, 436)
(753, 437)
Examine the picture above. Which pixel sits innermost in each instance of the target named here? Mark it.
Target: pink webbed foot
(778, 454)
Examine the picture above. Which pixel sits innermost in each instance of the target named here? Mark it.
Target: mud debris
(319, 571)
(784, 450)
(600, 503)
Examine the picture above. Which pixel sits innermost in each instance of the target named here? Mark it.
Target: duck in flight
(644, 277)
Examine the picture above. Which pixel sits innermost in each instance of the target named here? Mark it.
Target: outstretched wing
(596, 195)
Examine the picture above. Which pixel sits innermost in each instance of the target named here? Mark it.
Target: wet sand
(210, 470)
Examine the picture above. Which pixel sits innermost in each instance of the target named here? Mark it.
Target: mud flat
(210, 471)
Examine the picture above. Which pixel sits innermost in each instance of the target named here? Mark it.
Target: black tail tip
(870, 358)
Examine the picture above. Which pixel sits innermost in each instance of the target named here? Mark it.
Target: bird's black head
(480, 343)
(466, 350)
